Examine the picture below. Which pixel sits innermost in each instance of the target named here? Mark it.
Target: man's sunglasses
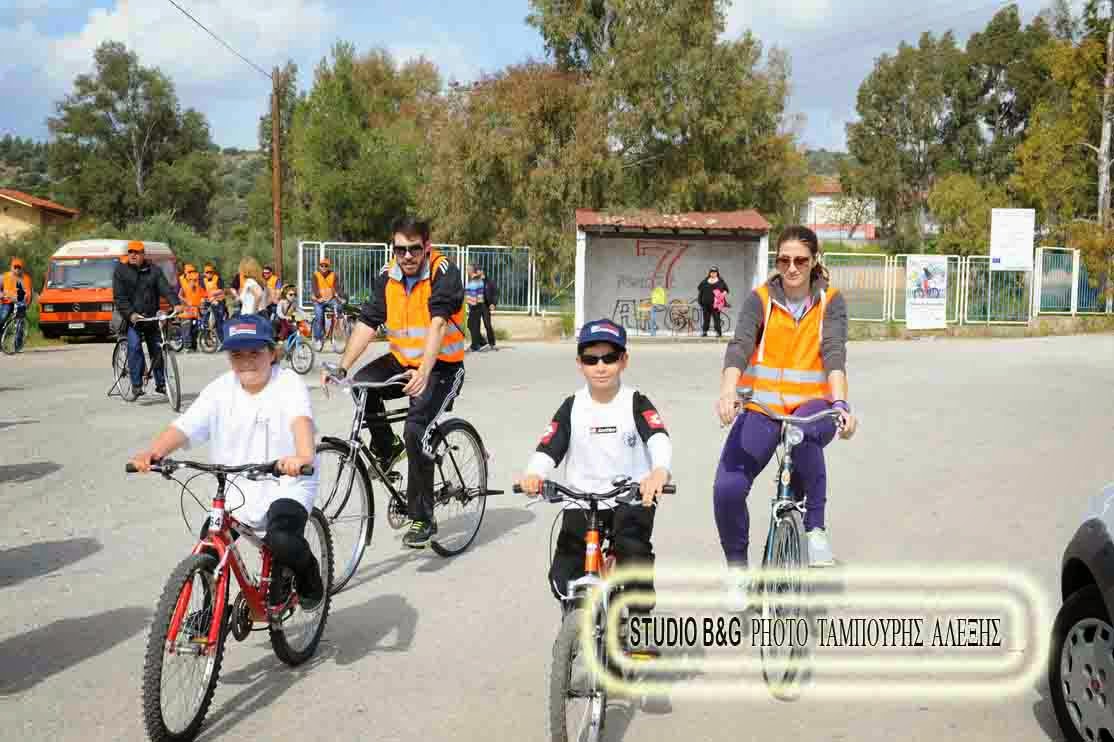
(415, 249)
(799, 261)
(590, 360)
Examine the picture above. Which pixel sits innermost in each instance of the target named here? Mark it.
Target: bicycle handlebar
(555, 492)
(397, 379)
(157, 318)
(747, 396)
(169, 466)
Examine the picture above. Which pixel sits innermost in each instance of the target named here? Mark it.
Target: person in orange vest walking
(419, 298)
(15, 289)
(326, 293)
(790, 347)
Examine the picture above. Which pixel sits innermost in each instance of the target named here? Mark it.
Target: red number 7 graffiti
(670, 253)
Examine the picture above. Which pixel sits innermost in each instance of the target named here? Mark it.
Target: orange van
(77, 296)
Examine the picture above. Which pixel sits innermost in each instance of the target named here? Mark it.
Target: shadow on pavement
(29, 472)
(30, 658)
(495, 524)
(34, 560)
(12, 423)
(351, 634)
(11, 388)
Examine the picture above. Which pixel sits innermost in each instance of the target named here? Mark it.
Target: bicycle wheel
(178, 681)
(295, 636)
(173, 379)
(174, 338)
(785, 563)
(344, 497)
(460, 478)
(10, 342)
(301, 357)
(577, 700)
(341, 331)
(207, 340)
(120, 370)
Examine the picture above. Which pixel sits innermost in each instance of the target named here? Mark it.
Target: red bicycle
(193, 618)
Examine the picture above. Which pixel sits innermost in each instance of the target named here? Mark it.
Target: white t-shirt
(248, 302)
(597, 442)
(242, 428)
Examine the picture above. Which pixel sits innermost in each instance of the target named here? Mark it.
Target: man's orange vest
(408, 317)
(212, 287)
(787, 369)
(192, 294)
(326, 284)
(272, 282)
(10, 286)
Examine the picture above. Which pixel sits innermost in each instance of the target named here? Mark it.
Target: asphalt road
(970, 452)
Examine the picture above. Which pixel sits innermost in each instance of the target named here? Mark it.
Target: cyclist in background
(214, 291)
(327, 292)
(419, 298)
(15, 288)
(137, 287)
(790, 347)
(192, 294)
(273, 286)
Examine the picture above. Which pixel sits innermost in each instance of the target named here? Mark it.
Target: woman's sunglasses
(799, 261)
(590, 360)
(415, 249)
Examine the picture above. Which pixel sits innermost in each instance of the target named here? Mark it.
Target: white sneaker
(737, 598)
(819, 549)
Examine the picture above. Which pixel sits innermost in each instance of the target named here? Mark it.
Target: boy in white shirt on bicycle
(255, 413)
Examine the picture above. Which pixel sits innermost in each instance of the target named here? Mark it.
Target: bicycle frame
(219, 539)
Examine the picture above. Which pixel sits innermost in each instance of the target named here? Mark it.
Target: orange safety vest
(272, 282)
(325, 284)
(192, 293)
(787, 369)
(10, 287)
(212, 287)
(408, 317)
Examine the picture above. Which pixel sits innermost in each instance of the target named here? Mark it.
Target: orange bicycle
(193, 618)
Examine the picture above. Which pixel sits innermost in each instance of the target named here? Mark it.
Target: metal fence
(513, 271)
(996, 297)
(1064, 286)
(898, 267)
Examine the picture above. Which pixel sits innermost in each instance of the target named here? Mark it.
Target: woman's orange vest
(212, 287)
(10, 286)
(192, 294)
(787, 369)
(325, 284)
(408, 317)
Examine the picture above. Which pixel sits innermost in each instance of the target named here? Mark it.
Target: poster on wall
(926, 292)
(1011, 239)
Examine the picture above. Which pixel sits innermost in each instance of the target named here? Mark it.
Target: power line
(221, 41)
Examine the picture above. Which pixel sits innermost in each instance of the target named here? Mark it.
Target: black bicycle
(783, 588)
(121, 384)
(15, 330)
(569, 690)
(348, 469)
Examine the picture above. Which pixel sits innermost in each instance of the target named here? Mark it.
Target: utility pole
(276, 170)
(1104, 144)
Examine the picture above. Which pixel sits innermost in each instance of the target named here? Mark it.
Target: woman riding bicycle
(790, 347)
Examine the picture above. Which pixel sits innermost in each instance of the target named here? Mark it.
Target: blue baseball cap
(248, 332)
(602, 331)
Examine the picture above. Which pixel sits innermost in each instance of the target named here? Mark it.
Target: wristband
(841, 404)
(341, 372)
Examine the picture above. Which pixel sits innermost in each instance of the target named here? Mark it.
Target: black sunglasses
(799, 261)
(590, 360)
(414, 249)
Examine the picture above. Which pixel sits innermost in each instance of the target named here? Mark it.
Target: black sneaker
(419, 535)
(311, 594)
(398, 446)
(137, 391)
(160, 390)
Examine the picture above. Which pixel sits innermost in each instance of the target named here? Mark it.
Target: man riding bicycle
(14, 289)
(137, 287)
(419, 298)
(192, 293)
(326, 293)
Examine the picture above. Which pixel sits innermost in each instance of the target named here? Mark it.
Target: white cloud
(796, 15)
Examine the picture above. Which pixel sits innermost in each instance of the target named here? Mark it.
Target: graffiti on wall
(678, 317)
(668, 253)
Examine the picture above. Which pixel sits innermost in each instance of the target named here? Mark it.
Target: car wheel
(1081, 667)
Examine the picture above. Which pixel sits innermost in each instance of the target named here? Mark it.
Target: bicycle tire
(154, 717)
(174, 338)
(448, 466)
(173, 378)
(339, 337)
(565, 650)
(788, 551)
(207, 341)
(302, 349)
(9, 336)
(123, 373)
(279, 642)
(335, 508)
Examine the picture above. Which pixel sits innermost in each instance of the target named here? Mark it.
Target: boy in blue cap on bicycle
(607, 429)
(255, 413)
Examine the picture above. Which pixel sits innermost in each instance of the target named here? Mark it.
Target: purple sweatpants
(750, 446)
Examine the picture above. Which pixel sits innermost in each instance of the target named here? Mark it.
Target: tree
(117, 127)
(962, 207)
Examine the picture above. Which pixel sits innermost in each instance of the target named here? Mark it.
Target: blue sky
(832, 44)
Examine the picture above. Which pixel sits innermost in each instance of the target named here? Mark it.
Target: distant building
(21, 212)
(821, 213)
